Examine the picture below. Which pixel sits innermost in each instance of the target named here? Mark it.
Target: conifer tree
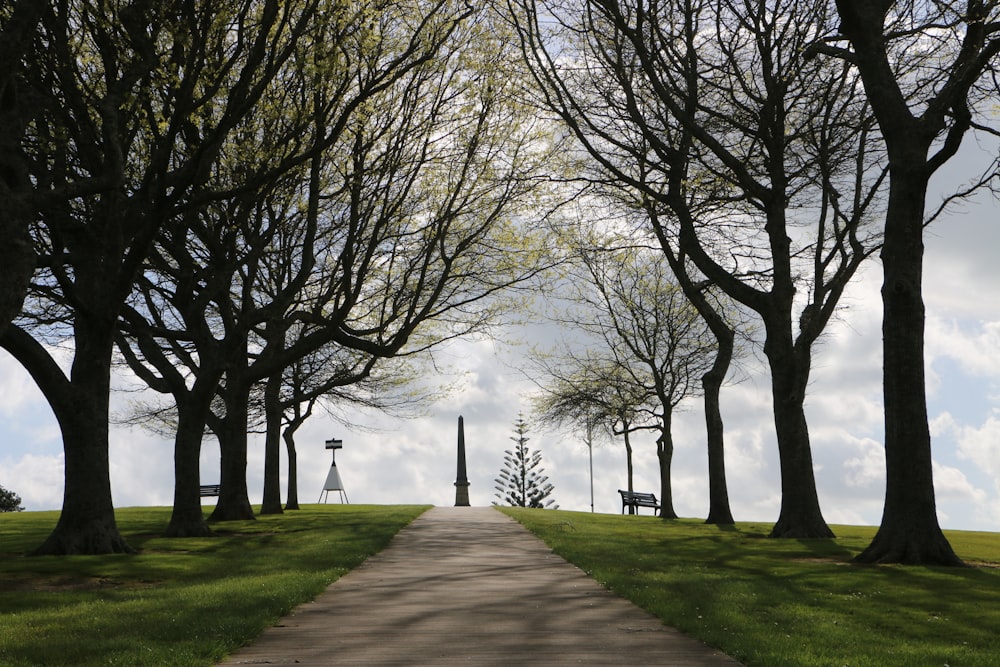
(522, 482)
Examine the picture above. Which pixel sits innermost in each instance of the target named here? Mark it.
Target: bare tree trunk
(193, 406)
(800, 515)
(628, 466)
(80, 403)
(87, 522)
(665, 455)
(271, 503)
(234, 500)
(909, 531)
(292, 503)
(17, 257)
(719, 511)
(297, 419)
(187, 518)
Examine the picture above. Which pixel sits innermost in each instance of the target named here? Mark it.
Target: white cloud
(943, 425)
(141, 468)
(951, 483)
(976, 346)
(981, 446)
(866, 469)
(17, 389)
(961, 274)
(37, 479)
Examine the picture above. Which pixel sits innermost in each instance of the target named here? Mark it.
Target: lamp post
(590, 451)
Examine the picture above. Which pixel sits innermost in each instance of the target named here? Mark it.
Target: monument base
(462, 495)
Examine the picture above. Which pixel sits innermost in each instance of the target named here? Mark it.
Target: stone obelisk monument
(461, 480)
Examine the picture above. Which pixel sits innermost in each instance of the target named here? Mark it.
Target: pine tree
(521, 482)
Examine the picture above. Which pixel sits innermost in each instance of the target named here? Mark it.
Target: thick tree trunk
(292, 503)
(17, 257)
(234, 501)
(800, 515)
(665, 455)
(909, 532)
(87, 522)
(188, 518)
(719, 511)
(271, 503)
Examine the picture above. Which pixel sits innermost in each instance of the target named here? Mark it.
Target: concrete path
(470, 586)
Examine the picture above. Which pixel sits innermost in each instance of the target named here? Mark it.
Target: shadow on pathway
(471, 586)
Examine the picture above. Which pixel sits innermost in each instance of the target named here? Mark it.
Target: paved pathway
(470, 586)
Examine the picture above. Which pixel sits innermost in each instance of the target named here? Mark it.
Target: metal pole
(590, 450)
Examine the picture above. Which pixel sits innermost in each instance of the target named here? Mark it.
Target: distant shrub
(9, 501)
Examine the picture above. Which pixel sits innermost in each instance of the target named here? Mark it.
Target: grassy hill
(769, 603)
(181, 601)
(793, 603)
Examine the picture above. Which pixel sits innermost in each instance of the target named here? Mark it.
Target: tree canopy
(258, 206)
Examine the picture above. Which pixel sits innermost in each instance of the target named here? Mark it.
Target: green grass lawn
(183, 601)
(794, 603)
(766, 602)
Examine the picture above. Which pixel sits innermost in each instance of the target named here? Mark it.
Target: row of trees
(274, 197)
(637, 349)
(773, 147)
(226, 195)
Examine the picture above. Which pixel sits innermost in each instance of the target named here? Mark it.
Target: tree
(394, 387)
(930, 73)
(195, 306)
(289, 399)
(521, 482)
(9, 501)
(329, 378)
(757, 161)
(594, 395)
(127, 120)
(180, 332)
(653, 334)
(719, 313)
(701, 295)
(649, 347)
(397, 229)
(294, 416)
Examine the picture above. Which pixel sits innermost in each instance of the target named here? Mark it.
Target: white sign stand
(333, 481)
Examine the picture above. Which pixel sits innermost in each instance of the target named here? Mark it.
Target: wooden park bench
(635, 500)
(208, 490)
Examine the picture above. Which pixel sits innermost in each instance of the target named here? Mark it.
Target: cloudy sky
(413, 461)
